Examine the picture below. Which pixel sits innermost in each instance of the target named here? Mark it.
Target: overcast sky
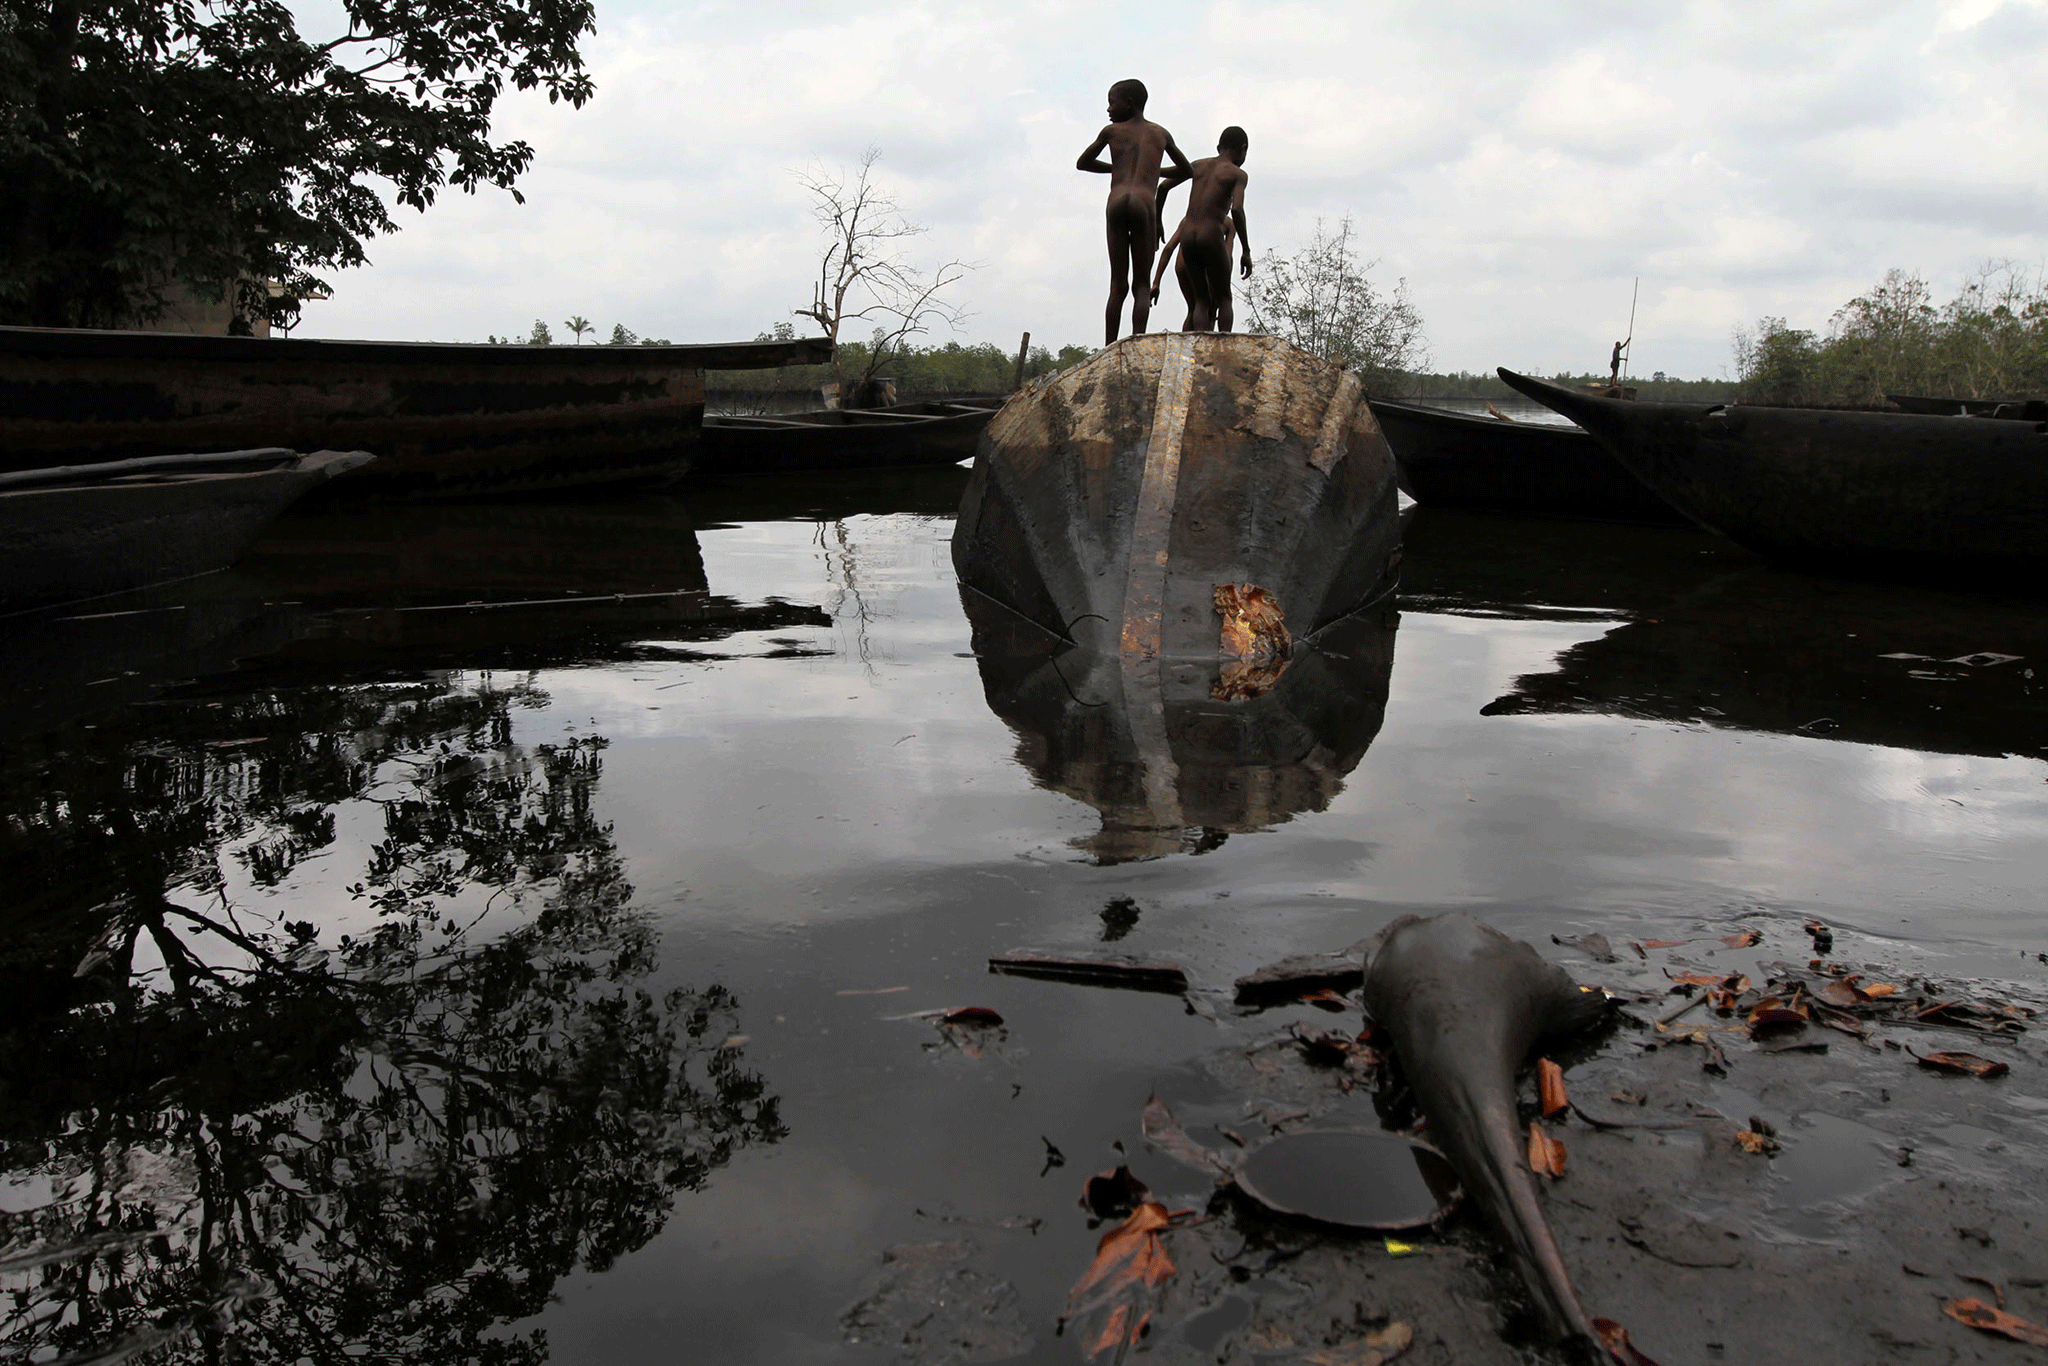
(1518, 163)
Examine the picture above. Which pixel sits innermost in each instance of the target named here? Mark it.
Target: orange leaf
(1980, 1315)
(1546, 1154)
(1130, 1265)
(1694, 979)
(1875, 989)
(1550, 1085)
(1742, 940)
(1614, 1338)
(1665, 943)
(1962, 1062)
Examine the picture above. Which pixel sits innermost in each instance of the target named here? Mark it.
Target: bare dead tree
(865, 275)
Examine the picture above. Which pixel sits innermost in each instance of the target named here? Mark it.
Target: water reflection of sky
(805, 811)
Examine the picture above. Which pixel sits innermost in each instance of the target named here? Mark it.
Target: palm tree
(579, 325)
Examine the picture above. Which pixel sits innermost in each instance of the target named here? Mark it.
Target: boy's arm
(1170, 177)
(1091, 160)
(1165, 255)
(1180, 161)
(1237, 222)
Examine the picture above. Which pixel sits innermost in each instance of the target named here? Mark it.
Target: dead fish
(1464, 1004)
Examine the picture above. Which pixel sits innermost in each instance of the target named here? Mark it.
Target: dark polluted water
(516, 934)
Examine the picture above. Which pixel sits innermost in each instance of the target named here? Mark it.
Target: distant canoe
(1110, 501)
(1901, 494)
(73, 533)
(1451, 459)
(942, 432)
(445, 420)
(2022, 409)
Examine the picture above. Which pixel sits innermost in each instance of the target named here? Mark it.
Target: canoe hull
(1901, 494)
(903, 435)
(444, 420)
(69, 542)
(1448, 459)
(1108, 502)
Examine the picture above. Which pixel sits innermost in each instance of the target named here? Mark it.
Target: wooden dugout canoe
(445, 420)
(1110, 501)
(1448, 459)
(73, 533)
(903, 434)
(1900, 494)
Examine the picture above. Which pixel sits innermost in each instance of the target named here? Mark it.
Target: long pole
(1023, 352)
(1628, 350)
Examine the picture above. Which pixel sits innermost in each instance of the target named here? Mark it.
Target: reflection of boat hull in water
(1171, 768)
(83, 531)
(1118, 511)
(446, 420)
(1901, 494)
(526, 583)
(1451, 459)
(1109, 501)
(1909, 668)
(940, 432)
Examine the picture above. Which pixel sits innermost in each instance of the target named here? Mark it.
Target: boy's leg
(1144, 244)
(1119, 278)
(1217, 278)
(1190, 290)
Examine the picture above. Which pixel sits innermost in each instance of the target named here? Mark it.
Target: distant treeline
(1990, 341)
(1658, 387)
(918, 371)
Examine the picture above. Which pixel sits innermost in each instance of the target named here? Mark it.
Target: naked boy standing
(1135, 148)
(1215, 208)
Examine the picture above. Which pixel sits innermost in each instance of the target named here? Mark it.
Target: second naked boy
(1135, 148)
(1215, 209)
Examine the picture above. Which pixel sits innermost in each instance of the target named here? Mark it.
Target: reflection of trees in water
(228, 1137)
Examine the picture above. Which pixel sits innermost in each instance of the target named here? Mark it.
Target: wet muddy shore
(519, 931)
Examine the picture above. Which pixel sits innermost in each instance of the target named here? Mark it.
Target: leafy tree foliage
(1989, 341)
(149, 145)
(1321, 300)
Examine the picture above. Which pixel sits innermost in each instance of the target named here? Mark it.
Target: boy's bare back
(1135, 147)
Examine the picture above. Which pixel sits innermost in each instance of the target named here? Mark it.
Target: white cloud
(1520, 165)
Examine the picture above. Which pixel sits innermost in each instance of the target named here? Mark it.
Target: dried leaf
(1163, 1132)
(1329, 1000)
(1695, 979)
(1373, 1349)
(1744, 940)
(1550, 1086)
(1114, 1193)
(1614, 1338)
(1665, 943)
(1546, 1154)
(1114, 1298)
(1967, 1063)
(1778, 1011)
(971, 1015)
(1873, 990)
(1982, 1316)
(1756, 1144)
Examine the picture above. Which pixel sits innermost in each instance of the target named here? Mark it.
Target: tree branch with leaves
(864, 275)
(1321, 300)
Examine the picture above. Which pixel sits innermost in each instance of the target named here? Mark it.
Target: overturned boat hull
(1110, 501)
(1895, 493)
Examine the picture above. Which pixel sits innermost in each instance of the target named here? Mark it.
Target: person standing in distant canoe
(1135, 148)
(1215, 210)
